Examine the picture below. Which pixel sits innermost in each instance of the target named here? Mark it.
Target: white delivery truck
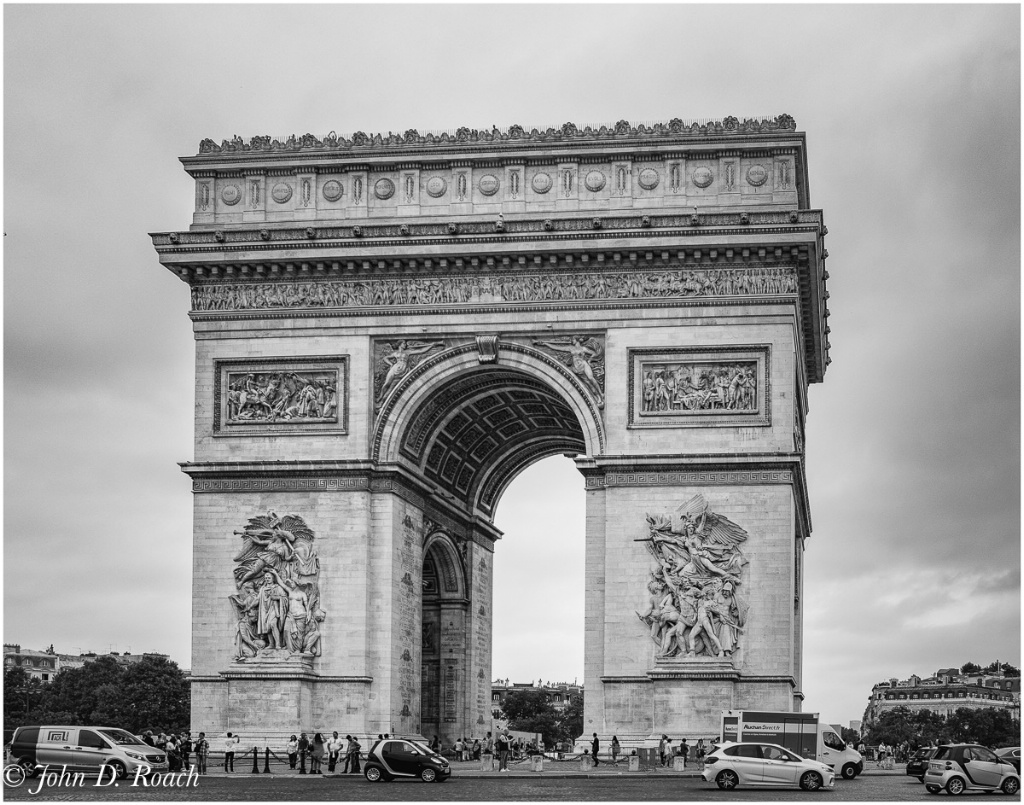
(802, 733)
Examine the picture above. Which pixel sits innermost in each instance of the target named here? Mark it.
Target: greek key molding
(737, 477)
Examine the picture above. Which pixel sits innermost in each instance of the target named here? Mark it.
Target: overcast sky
(912, 117)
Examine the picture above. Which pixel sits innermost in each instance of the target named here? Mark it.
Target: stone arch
(470, 427)
(440, 550)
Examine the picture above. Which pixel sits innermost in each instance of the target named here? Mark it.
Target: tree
(893, 727)
(1004, 667)
(530, 711)
(570, 724)
(970, 668)
(850, 736)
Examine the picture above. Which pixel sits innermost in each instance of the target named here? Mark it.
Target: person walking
(663, 745)
(615, 749)
(699, 751)
(595, 747)
(202, 750)
(476, 749)
(292, 748)
(230, 744)
(684, 750)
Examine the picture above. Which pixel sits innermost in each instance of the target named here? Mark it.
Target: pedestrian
(230, 744)
(663, 745)
(503, 748)
(303, 752)
(465, 750)
(458, 749)
(354, 755)
(292, 749)
(171, 750)
(202, 750)
(185, 746)
(317, 754)
(334, 746)
(700, 751)
(476, 749)
(615, 749)
(161, 741)
(147, 738)
(595, 745)
(435, 744)
(684, 750)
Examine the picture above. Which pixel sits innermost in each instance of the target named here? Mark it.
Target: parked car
(1012, 754)
(969, 767)
(84, 749)
(764, 765)
(401, 757)
(918, 763)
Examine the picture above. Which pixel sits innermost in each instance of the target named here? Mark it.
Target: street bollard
(537, 763)
(302, 762)
(486, 762)
(586, 763)
(255, 760)
(678, 763)
(266, 760)
(634, 763)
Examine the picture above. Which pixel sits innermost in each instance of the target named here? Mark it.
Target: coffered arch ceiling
(474, 435)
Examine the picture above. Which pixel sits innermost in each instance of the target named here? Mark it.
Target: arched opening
(469, 430)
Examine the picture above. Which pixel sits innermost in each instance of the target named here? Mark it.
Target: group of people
(336, 749)
(700, 750)
(181, 749)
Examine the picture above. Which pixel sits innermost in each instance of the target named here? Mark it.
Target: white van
(801, 733)
(83, 749)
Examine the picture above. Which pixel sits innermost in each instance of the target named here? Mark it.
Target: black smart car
(402, 757)
(918, 763)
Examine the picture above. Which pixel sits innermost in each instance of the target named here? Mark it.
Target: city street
(611, 785)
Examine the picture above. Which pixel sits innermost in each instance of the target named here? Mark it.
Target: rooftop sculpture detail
(515, 133)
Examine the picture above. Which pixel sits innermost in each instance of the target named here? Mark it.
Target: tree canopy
(149, 694)
(987, 726)
(530, 711)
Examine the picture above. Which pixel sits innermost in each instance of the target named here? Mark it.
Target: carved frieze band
(700, 387)
(738, 477)
(283, 396)
(498, 288)
(280, 484)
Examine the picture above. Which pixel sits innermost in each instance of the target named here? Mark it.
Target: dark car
(402, 757)
(918, 763)
(1012, 754)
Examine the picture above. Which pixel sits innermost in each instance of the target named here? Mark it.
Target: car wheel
(373, 774)
(28, 767)
(955, 786)
(810, 781)
(727, 780)
(119, 769)
(932, 789)
(849, 771)
(428, 775)
(1010, 786)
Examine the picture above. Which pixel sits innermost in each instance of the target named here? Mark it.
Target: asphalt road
(624, 787)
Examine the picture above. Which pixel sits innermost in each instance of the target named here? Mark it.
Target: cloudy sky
(912, 116)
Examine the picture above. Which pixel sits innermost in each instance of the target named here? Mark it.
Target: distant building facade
(45, 665)
(944, 693)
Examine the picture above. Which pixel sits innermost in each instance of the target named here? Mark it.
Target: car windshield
(941, 752)
(422, 747)
(122, 738)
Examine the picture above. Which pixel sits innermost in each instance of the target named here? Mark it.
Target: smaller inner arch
(474, 435)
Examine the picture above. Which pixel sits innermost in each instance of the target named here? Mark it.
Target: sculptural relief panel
(696, 603)
(277, 603)
(698, 387)
(283, 396)
(497, 288)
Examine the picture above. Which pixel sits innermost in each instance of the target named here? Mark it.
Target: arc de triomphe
(389, 328)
